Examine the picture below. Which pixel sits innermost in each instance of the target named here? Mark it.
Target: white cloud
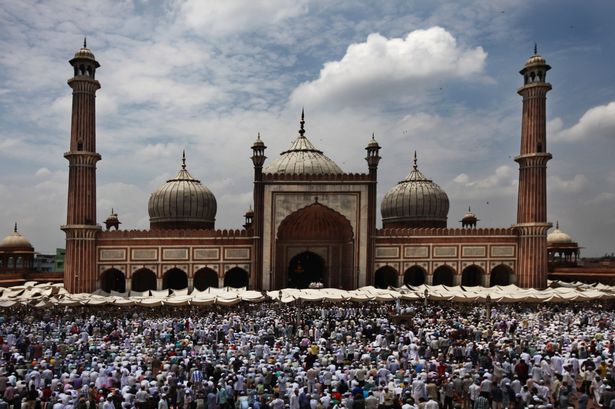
(43, 172)
(603, 197)
(215, 17)
(597, 122)
(462, 178)
(381, 67)
(574, 185)
(503, 176)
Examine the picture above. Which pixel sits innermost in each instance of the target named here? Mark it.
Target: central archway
(322, 238)
(306, 268)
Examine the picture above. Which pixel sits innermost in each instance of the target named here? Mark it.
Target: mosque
(311, 222)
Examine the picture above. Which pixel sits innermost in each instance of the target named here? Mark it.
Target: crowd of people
(309, 356)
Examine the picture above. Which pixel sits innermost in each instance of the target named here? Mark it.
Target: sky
(439, 77)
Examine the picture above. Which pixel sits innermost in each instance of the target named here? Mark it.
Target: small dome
(558, 237)
(536, 59)
(258, 142)
(112, 216)
(373, 143)
(415, 202)
(182, 203)
(15, 240)
(302, 159)
(84, 53)
(469, 218)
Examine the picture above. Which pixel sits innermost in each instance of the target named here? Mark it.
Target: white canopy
(46, 295)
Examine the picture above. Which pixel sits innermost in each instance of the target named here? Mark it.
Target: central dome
(415, 202)
(303, 159)
(182, 203)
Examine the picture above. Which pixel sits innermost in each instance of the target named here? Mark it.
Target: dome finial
(15, 229)
(535, 48)
(184, 159)
(302, 123)
(469, 209)
(414, 165)
(557, 224)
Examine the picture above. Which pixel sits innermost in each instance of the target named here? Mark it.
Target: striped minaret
(80, 273)
(532, 223)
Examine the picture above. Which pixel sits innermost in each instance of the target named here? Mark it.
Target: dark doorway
(113, 280)
(143, 280)
(500, 275)
(175, 279)
(443, 275)
(236, 277)
(385, 277)
(306, 268)
(414, 276)
(205, 278)
(471, 276)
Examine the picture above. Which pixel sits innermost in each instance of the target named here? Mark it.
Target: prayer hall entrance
(306, 268)
(315, 244)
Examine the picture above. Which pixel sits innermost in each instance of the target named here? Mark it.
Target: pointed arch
(236, 277)
(205, 278)
(501, 275)
(316, 222)
(386, 276)
(113, 279)
(143, 279)
(175, 279)
(444, 275)
(415, 276)
(472, 276)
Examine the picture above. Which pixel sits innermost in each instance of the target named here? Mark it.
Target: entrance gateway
(314, 244)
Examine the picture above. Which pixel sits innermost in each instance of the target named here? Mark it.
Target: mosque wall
(160, 255)
(458, 253)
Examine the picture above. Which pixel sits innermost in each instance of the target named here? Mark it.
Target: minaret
(258, 159)
(372, 158)
(80, 273)
(532, 199)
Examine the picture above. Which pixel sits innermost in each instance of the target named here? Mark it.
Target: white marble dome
(558, 237)
(182, 202)
(302, 158)
(415, 202)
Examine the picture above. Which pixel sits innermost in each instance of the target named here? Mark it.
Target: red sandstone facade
(310, 220)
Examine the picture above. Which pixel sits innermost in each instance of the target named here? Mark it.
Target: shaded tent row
(46, 295)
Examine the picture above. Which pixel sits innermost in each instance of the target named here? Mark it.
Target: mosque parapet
(360, 177)
(435, 231)
(174, 233)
